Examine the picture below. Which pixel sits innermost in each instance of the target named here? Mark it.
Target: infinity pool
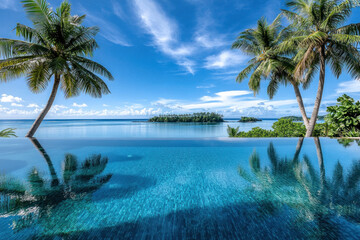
(179, 189)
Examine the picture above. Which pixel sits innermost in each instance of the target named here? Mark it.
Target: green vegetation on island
(297, 119)
(249, 119)
(343, 120)
(7, 133)
(204, 117)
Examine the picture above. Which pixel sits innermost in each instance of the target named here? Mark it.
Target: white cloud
(349, 87)
(225, 59)
(230, 103)
(9, 98)
(57, 108)
(105, 105)
(164, 32)
(110, 113)
(16, 105)
(80, 105)
(33, 105)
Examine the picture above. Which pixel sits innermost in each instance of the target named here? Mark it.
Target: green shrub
(288, 128)
(257, 132)
(281, 128)
(343, 119)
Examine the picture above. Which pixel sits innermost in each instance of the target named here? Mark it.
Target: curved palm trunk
(319, 94)
(298, 149)
(301, 105)
(320, 157)
(55, 179)
(42, 115)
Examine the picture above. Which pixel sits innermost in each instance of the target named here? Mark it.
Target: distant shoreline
(119, 119)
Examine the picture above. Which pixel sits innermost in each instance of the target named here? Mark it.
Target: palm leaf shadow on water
(322, 206)
(33, 202)
(37, 200)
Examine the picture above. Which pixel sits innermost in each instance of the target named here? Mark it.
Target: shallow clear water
(179, 189)
(127, 128)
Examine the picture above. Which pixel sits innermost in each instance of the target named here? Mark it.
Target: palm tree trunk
(42, 115)
(319, 94)
(301, 105)
(320, 157)
(37, 145)
(298, 149)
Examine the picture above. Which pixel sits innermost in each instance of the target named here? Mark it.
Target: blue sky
(167, 57)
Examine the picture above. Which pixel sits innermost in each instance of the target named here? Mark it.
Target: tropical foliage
(57, 46)
(262, 44)
(204, 117)
(344, 118)
(249, 119)
(321, 38)
(280, 128)
(8, 132)
(315, 37)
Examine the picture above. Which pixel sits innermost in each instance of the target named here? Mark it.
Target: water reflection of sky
(146, 188)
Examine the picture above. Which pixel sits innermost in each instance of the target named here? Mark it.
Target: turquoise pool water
(179, 189)
(127, 128)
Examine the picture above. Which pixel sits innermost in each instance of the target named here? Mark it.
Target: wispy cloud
(349, 87)
(8, 4)
(225, 59)
(206, 86)
(206, 36)
(108, 30)
(164, 32)
(118, 10)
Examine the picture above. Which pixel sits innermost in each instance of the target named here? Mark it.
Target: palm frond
(8, 132)
(38, 11)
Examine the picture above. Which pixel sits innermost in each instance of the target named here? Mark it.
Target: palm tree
(322, 39)
(57, 46)
(261, 43)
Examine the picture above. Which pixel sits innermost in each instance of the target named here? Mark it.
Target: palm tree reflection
(37, 199)
(296, 184)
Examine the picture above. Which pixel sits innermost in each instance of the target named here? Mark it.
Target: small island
(249, 119)
(299, 119)
(293, 118)
(204, 117)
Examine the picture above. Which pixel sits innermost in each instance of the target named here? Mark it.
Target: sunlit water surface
(179, 189)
